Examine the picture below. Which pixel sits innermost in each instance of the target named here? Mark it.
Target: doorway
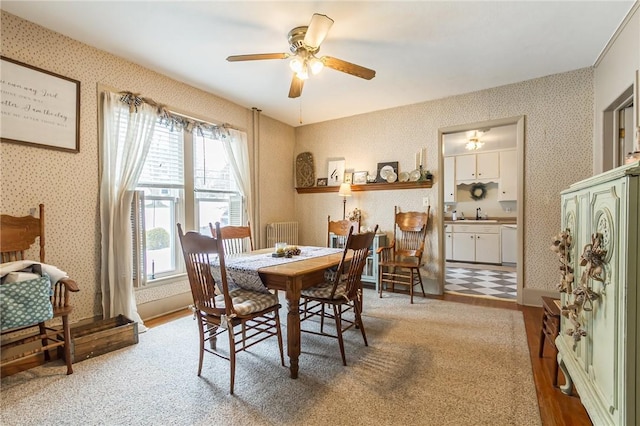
(487, 201)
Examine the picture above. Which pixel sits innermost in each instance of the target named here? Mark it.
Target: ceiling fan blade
(296, 87)
(348, 67)
(257, 57)
(317, 30)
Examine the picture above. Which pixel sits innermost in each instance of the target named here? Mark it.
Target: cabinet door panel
(604, 325)
(508, 186)
(466, 167)
(488, 248)
(448, 248)
(464, 247)
(450, 179)
(488, 165)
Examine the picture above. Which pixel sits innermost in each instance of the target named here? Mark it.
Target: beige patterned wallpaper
(558, 112)
(67, 183)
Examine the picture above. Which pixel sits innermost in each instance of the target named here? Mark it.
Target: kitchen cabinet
(449, 179)
(604, 364)
(509, 246)
(481, 167)
(508, 183)
(448, 245)
(478, 243)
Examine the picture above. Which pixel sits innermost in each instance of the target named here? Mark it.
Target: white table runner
(242, 271)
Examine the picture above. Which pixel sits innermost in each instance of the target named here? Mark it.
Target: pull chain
(300, 116)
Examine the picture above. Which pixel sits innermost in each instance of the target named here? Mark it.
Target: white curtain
(237, 151)
(126, 137)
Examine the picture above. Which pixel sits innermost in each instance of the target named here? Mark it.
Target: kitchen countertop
(489, 221)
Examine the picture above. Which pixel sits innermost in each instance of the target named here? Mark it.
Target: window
(192, 193)
(217, 196)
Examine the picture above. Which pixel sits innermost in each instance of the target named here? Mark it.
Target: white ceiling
(421, 50)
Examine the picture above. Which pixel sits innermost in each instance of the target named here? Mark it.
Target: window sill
(164, 281)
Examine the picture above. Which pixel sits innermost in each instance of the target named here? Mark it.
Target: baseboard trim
(164, 306)
(533, 296)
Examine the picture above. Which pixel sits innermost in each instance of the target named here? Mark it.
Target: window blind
(164, 166)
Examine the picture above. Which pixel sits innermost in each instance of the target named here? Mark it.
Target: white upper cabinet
(449, 179)
(478, 167)
(488, 165)
(508, 185)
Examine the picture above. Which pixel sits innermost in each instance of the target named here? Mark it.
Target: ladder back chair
(399, 263)
(342, 290)
(18, 237)
(235, 239)
(340, 229)
(219, 309)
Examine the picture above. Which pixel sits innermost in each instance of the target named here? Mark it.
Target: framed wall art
(322, 182)
(335, 172)
(348, 177)
(360, 178)
(39, 108)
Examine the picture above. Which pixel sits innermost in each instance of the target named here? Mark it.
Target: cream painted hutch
(604, 363)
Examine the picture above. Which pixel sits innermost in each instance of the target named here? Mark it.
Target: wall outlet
(425, 201)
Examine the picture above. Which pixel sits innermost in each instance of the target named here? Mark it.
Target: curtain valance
(173, 120)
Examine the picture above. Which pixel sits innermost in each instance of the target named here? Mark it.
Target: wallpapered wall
(558, 152)
(67, 183)
(558, 112)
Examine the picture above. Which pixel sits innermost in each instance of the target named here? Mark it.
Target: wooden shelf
(369, 187)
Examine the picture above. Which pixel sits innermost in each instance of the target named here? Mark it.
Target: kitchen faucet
(478, 213)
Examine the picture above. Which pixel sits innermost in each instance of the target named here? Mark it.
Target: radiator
(282, 232)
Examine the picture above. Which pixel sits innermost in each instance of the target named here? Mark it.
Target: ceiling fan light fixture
(316, 65)
(474, 141)
(303, 74)
(304, 45)
(296, 65)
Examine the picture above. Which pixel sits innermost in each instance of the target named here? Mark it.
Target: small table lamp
(345, 191)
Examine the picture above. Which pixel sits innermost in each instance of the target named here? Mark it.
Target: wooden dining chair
(342, 290)
(338, 230)
(235, 239)
(400, 263)
(18, 237)
(219, 309)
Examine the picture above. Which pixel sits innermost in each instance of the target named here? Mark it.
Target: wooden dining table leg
(293, 324)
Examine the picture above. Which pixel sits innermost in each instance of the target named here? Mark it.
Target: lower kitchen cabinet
(476, 243)
(448, 245)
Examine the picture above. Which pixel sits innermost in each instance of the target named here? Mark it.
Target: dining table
(288, 274)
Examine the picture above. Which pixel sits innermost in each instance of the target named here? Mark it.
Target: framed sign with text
(39, 108)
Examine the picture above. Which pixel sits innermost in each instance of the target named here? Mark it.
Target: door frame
(519, 121)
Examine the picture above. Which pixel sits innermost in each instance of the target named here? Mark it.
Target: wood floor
(556, 408)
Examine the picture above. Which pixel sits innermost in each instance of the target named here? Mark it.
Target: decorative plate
(414, 175)
(403, 176)
(391, 177)
(384, 172)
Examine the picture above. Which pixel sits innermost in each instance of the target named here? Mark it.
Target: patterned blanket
(242, 271)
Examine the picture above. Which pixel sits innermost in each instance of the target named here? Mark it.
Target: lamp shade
(345, 190)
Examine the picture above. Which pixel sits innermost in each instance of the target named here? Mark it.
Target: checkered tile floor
(481, 282)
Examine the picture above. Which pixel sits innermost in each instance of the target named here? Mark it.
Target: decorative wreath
(478, 191)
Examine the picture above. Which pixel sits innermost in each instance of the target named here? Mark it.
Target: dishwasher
(509, 234)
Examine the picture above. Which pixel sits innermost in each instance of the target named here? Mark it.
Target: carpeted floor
(431, 363)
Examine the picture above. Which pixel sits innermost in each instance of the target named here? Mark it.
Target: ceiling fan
(304, 44)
